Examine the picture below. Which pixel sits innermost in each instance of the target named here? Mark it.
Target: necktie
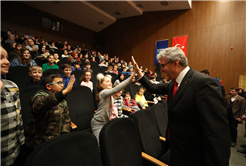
(175, 87)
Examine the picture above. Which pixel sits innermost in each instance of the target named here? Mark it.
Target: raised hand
(136, 68)
(69, 86)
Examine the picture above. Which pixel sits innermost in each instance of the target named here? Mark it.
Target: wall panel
(213, 27)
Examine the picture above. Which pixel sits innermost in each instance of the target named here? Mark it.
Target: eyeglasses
(163, 65)
(59, 83)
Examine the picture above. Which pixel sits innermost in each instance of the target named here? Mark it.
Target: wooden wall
(26, 19)
(213, 27)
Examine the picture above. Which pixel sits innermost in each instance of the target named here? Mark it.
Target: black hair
(48, 77)
(235, 88)
(206, 71)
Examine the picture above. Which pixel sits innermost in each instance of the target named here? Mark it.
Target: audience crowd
(41, 56)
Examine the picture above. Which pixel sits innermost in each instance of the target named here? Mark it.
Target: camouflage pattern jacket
(49, 117)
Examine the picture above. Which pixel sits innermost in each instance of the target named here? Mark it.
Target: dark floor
(238, 159)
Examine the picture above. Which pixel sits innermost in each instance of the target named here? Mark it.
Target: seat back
(78, 148)
(25, 98)
(78, 74)
(119, 143)
(161, 114)
(19, 75)
(81, 107)
(133, 88)
(148, 132)
(53, 71)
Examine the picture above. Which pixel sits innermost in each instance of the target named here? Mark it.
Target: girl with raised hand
(106, 110)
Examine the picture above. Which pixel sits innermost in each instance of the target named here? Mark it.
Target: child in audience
(76, 66)
(125, 72)
(49, 111)
(75, 57)
(110, 69)
(12, 130)
(24, 60)
(88, 67)
(139, 97)
(119, 103)
(56, 56)
(132, 104)
(35, 72)
(85, 80)
(115, 69)
(66, 76)
(106, 110)
(50, 64)
(65, 54)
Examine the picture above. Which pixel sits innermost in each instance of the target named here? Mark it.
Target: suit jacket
(198, 125)
(238, 107)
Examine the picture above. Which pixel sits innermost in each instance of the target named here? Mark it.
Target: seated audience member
(69, 49)
(65, 54)
(110, 69)
(85, 80)
(32, 48)
(131, 103)
(102, 64)
(16, 53)
(139, 97)
(130, 65)
(93, 59)
(124, 71)
(12, 131)
(36, 73)
(24, 60)
(88, 67)
(10, 47)
(50, 64)
(130, 70)
(76, 66)
(153, 79)
(75, 57)
(118, 102)
(66, 76)
(53, 48)
(49, 111)
(56, 56)
(163, 80)
(11, 39)
(121, 77)
(106, 63)
(115, 70)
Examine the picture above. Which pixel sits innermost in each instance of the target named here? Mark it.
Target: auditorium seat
(19, 75)
(78, 148)
(81, 107)
(114, 76)
(150, 136)
(119, 143)
(52, 71)
(25, 98)
(161, 114)
(78, 74)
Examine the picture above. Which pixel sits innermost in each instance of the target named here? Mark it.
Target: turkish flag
(181, 42)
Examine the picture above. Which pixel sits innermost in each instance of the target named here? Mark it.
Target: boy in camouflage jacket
(49, 114)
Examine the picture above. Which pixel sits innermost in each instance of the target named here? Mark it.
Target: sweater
(102, 115)
(46, 66)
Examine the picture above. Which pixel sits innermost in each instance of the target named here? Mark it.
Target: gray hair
(172, 54)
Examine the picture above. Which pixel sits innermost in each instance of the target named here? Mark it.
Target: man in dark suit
(198, 126)
(235, 105)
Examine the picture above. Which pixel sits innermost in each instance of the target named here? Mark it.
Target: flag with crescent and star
(181, 42)
(159, 46)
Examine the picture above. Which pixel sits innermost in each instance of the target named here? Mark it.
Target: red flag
(181, 42)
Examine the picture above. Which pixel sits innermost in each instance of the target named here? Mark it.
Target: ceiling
(97, 15)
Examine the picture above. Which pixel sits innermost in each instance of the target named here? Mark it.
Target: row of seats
(123, 141)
